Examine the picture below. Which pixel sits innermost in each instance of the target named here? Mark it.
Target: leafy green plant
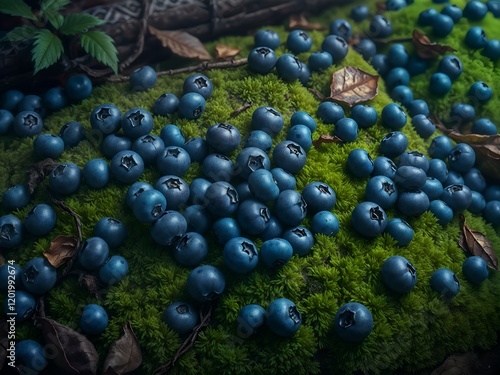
(46, 27)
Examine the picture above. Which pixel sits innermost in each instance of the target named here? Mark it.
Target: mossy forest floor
(411, 332)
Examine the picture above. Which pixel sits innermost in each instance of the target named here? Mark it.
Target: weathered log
(127, 21)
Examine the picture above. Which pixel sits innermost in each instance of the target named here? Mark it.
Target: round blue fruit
(30, 357)
(253, 216)
(475, 269)
(250, 319)
(267, 38)
(166, 104)
(148, 146)
(38, 276)
(381, 190)
(368, 219)
(191, 106)
(224, 138)
(222, 199)
(353, 322)
(94, 319)
(137, 122)
(197, 148)
(48, 146)
(393, 144)
(181, 317)
(263, 186)
(276, 252)
(65, 179)
(149, 206)
(383, 166)
(301, 239)
(267, 119)
(290, 207)
(259, 139)
(78, 87)
(393, 116)
(96, 173)
(27, 124)
(284, 179)
(11, 231)
(290, 156)
(198, 83)
(380, 27)
(413, 202)
(398, 274)
(325, 222)
(114, 270)
(173, 160)
(298, 41)
(16, 197)
(205, 283)
(225, 229)
(24, 307)
(240, 255)
(442, 212)
(114, 143)
(491, 212)
(127, 166)
(106, 118)
(55, 99)
(336, 46)
(262, 60)
(423, 126)
(283, 317)
(365, 115)
(288, 67)
(168, 227)
(143, 78)
(190, 249)
(445, 282)
(319, 196)
(451, 65)
(40, 220)
(346, 129)
(218, 167)
(175, 190)
(330, 112)
(111, 230)
(400, 230)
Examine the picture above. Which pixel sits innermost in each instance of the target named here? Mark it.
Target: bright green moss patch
(411, 332)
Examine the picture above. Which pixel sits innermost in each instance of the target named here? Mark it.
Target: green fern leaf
(79, 23)
(47, 49)
(53, 5)
(17, 8)
(20, 34)
(101, 47)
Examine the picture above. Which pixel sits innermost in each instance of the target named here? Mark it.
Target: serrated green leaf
(101, 47)
(16, 8)
(79, 23)
(47, 49)
(20, 34)
(56, 19)
(53, 5)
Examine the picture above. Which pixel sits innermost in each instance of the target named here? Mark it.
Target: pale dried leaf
(298, 21)
(181, 43)
(478, 244)
(61, 250)
(352, 85)
(124, 355)
(427, 49)
(223, 51)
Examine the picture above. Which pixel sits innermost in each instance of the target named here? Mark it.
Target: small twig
(325, 138)
(140, 39)
(73, 214)
(193, 68)
(243, 108)
(189, 341)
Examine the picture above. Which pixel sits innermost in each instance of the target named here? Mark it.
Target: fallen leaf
(90, 282)
(4, 341)
(71, 351)
(223, 51)
(61, 250)
(457, 364)
(124, 355)
(181, 43)
(427, 49)
(326, 138)
(38, 171)
(352, 85)
(478, 244)
(298, 21)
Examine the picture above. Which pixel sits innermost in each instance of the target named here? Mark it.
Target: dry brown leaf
(457, 364)
(477, 244)
(298, 21)
(326, 138)
(223, 51)
(181, 43)
(124, 355)
(38, 171)
(352, 85)
(61, 250)
(427, 49)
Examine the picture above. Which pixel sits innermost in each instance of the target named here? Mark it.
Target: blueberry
(197, 148)
(143, 78)
(484, 126)
(224, 138)
(480, 91)
(397, 55)
(453, 178)
(380, 63)
(253, 216)
(94, 319)
(222, 199)
(445, 282)
(320, 60)
(11, 231)
(283, 317)
(494, 7)
(491, 212)
(417, 65)
(366, 48)
(284, 179)
(396, 77)
(408, 176)
(275, 252)
(6, 121)
(65, 179)
(55, 99)
(433, 188)
(461, 158)
(303, 118)
(365, 115)
(298, 41)
(305, 74)
(11, 99)
(78, 87)
(148, 146)
(93, 253)
(492, 50)
(398, 274)
(127, 166)
(393, 5)
(111, 230)
(106, 118)
(419, 106)
(173, 160)
(250, 159)
(442, 25)
(402, 94)
(475, 269)
(137, 122)
(393, 116)
(290, 156)
(453, 11)
(475, 10)
(301, 135)
(198, 218)
(382, 191)
(360, 13)
(274, 229)
(477, 203)
(198, 83)
(115, 143)
(262, 60)
(218, 167)
(380, 27)
(290, 207)
(440, 147)
(336, 46)
(476, 37)
(414, 158)
(462, 113)
(175, 190)
(149, 205)
(197, 189)
(180, 317)
(263, 186)
(346, 129)
(341, 27)
(72, 133)
(171, 135)
(330, 112)
(259, 139)
(113, 271)
(383, 166)
(319, 196)
(393, 144)
(457, 196)
(353, 322)
(191, 106)
(168, 228)
(166, 104)
(250, 318)
(288, 67)
(413, 202)
(31, 357)
(360, 163)
(474, 180)
(442, 212)
(95, 173)
(451, 65)
(423, 126)
(16, 197)
(440, 84)
(492, 193)
(190, 249)
(224, 229)
(267, 119)
(267, 38)
(24, 308)
(368, 219)
(32, 103)
(38, 276)
(400, 230)
(325, 222)
(27, 124)
(205, 283)
(301, 239)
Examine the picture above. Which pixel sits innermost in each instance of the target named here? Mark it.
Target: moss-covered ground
(411, 332)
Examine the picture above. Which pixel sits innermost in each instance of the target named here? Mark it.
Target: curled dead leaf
(426, 49)
(478, 244)
(91, 283)
(181, 43)
(38, 171)
(326, 138)
(352, 85)
(124, 355)
(71, 351)
(62, 249)
(298, 21)
(223, 51)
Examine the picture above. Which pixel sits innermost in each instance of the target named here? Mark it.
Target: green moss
(412, 331)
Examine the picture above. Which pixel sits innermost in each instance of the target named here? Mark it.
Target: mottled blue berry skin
(259, 139)
(240, 255)
(96, 173)
(175, 190)
(38, 276)
(475, 37)
(301, 135)
(173, 160)
(413, 202)
(414, 158)
(400, 230)
(491, 212)
(442, 25)
(453, 178)
(380, 27)
(94, 319)
(383, 166)
(224, 229)
(396, 77)
(475, 10)
(290, 156)
(440, 147)
(275, 252)
(360, 13)
(253, 216)
(72, 133)
(336, 46)
(11, 231)
(477, 203)
(218, 167)
(267, 119)
(180, 317)
(445, 282)
(284, 179)
(40, 220)
(27, 124)
(393, 144)
(303, 118)
(453, 11)
(290, 207)
(368, 219)
(325, 222)
(190, 249)
(418, 107)
(393, 116)
(283, 317)
(198, 83)
(475, 269)
(224, 138)
(451, 65)
(417, 65)
(55, 99)
(381, 190)
(341, 27)
(143, 79)
(480, 91)
(298, 41)
(353, 322)
(274, 229)
(114, 270)
(301, 239)
(111, 230)
(149, 206)
(263, 186)
(330, 112)
(423, 126)
(11, 99)
(484, 126)
(197, 189)
(366, 48)
(16, 197)
(267, 38)
(137, 122)
(65, 179)
(457, 196)
(319, 196)
(6, 121)
(148, 146)
(205, 283)
(394, 5)
(169, 227)
(433, 188)
(191, 106)
(32, 103)
(408, 176)
(461, 158)
(380, 63)
(262, 60)
(127, 166)
(440, 84)
(78, 87)
(171, 135)
(288, 67)
(360, 163)
(365, 115)
(346, 129)
(114, 143)
(93, 253)
(106, 118)
(222, 199)
(198, 218)
(474, 179)
(250, 319)
(398, 274)
(197, 148)
(30, 356)
(442, 212)
(166, 104)
(397, 55)
(24, 307)
(320, 60)
(492, 50)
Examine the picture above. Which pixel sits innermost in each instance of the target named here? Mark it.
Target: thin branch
(243, 108)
